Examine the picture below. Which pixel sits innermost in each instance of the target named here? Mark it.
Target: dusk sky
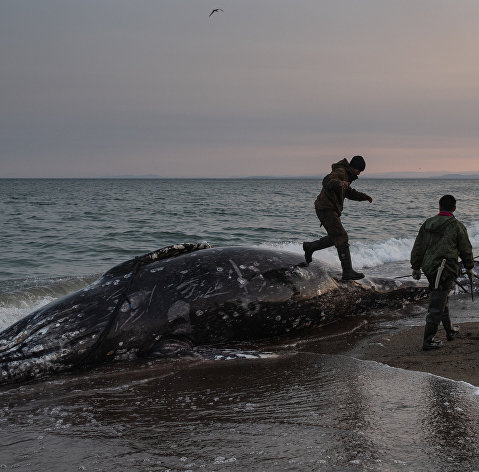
(272, 87)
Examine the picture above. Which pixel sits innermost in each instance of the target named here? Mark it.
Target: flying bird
(215, 10)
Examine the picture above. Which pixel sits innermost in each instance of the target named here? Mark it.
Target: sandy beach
(457, 359)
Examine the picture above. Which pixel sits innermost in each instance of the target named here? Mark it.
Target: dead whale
(184, 296)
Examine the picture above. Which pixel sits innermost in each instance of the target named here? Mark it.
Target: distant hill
(386, 175)
(458, 176)
(131, 176)
(420, 175)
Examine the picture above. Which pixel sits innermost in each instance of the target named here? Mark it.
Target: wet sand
(456, 360)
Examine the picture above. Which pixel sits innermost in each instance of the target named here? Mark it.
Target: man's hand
(370, 200)
(470, 273)
(416, 274)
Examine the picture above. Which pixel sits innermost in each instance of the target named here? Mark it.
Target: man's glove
(416, 274)
(470, 273)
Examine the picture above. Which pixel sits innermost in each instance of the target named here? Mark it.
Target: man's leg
(335, 229)
(438, 311)
(451, 330)
(310, 247)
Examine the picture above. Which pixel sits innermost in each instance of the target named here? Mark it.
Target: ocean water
(299, 410)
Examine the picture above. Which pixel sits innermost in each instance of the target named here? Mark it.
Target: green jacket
(441, 237)
(332, 194)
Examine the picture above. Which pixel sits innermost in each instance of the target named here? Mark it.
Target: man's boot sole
(355, 277)
(431, 347)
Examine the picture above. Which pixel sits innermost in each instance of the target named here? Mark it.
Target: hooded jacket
(441, 237)
(332, 194)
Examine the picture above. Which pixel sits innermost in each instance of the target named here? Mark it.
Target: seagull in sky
(215, 10)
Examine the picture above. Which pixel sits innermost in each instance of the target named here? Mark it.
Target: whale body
(187, 295)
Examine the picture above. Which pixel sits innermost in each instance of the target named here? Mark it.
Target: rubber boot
(435, 311)
(345, 258)
(454, 331)
(451, 331)
(430, 342)
(309, 248)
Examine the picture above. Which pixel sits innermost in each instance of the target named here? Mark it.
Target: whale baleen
(187, 295)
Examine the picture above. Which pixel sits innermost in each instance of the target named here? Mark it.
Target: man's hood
(344, 163)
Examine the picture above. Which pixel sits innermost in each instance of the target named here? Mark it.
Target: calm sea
(295, 412)
(62, 227)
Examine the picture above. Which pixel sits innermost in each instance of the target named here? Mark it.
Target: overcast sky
(266, 87)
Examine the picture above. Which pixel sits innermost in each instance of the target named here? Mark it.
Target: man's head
(358, 164)
(447, 203)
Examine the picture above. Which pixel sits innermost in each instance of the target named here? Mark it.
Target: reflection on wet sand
(295, 412)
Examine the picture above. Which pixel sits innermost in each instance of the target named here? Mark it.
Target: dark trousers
(333, 226)
(438, 309)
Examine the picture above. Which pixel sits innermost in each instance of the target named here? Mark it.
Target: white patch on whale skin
(179, 309)
(187, 289)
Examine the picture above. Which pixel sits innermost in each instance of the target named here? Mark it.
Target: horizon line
(383, 175)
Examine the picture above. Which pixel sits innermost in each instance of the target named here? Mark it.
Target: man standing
(329, 206)
(441, 239)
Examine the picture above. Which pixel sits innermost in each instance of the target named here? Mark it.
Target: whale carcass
(187, 295)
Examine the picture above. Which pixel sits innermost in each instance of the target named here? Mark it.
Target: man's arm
(465, 248)
(353, 194)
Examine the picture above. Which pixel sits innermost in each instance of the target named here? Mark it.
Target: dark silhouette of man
(441, 239)
(329, 206)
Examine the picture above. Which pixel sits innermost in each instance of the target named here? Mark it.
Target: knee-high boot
(451, 330)
(345, 258)
(437, 299)
(310, 247)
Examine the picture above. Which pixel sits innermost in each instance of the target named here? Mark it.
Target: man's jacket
(332, 194)
(441, 237)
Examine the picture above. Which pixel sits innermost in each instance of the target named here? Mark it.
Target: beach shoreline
(457, 359)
